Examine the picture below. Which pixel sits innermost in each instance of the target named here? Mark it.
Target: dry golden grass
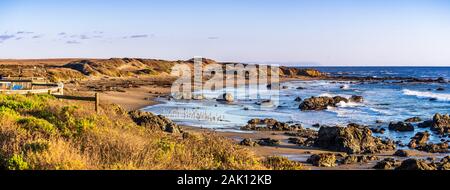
(42, 133)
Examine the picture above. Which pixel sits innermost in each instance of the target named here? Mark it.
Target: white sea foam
(343, 104)
(345, 87)
(420, 94)
(334, 95)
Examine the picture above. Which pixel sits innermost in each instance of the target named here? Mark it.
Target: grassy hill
(39, 132)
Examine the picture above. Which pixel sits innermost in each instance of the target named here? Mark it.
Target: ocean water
(386, 101)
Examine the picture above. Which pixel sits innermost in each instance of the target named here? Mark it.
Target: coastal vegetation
(39, 132)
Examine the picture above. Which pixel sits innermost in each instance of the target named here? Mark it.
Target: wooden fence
(54, 89)
(95, 99)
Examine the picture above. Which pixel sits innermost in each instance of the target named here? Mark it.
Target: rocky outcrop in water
(439, 123)
(357, 99)
(420, 139)
(269, 125)
(298, 99)
(353, 139)
(322, 103)
(227, 97)
(413, 120)
(147, 119)
(401, 127)
(378, 130)
(295, 72)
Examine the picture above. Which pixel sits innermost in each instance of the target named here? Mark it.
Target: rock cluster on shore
(156, 122)
(322, 103)
(413, 164)
(269, 125)
(353, 139)
(261, 142)
(332, 159)
(387, 164)
(323, 160)
(440, 124)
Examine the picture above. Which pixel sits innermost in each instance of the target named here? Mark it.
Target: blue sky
(328, 32)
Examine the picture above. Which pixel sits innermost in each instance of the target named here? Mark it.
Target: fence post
(97, 102)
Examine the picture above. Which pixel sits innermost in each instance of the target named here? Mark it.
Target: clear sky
(328, 32)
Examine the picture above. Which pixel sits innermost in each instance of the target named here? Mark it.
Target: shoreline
(144, 96)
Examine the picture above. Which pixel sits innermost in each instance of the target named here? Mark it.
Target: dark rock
(303, 133)
(147, 119)
(298, 99)
(306, 142)
(426, 124)
(268, 142)
(310, 73)
(227, 97)
(444, 164)
(323, 160)
(386, 164)
(402, 153)
(357, 99)
(266, 103)
(321, 103)
(269, 125)
(434, 148)
(350, 160)
(420, 139)
(414, 164)
(358, 159)
(441, 80)
(248, 142)
(401, 127)
(441, 124)
(352, 139)
(379, 122)
(433, 99)
(378, 130)
(440, 89)
(413, 120)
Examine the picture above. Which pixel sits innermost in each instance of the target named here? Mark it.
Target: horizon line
(281, 63)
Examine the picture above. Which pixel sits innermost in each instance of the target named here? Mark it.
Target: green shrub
(8, 113)
(37, 146)
(37, 125)
(16, 162)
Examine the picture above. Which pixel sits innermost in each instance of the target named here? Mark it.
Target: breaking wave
(438, 96)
